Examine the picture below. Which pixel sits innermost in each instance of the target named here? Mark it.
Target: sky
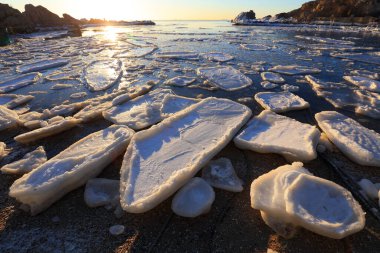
(160, 9)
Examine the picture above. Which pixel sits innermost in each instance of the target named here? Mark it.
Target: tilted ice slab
(19, 82)
(140, 112)
(102, 74)
(281, 101)
(290, 197)
(180, 81)
(272, 77)
(2, 149)
(136, 52)
(294, 70)
(225, 78)
(173, 104)
(194, 199)
(217, 57)
(71, 168)
(372, 58)
(102, 192)
(357, 142)
(364, 83)
(26, 164)
(273, 133)
(180, 55)
(163, 158)
(221, 174)
(8, 118)
(365, 73)
(42, 65)
(12, 100)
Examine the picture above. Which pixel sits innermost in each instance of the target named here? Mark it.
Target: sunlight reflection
(110, 33)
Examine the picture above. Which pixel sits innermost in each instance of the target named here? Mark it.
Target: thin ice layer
(225, 78)
(294, 70)
(102, 74)
(273, 133)
(19, 82)
(71, 168)
(281, 101)
(163, 158)
(42, 65)
(360, 144)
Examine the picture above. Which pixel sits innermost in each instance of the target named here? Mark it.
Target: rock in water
(357, 142)
(71, 168)
(19, 82)
(225, 78)
(28, 163)
(290, 197)
(273, 133)
(281, 101)
(8, 118)
(194, 199)
(100, 75)
(221, 174)
(102, 192)
(42, 65)
(162, 159)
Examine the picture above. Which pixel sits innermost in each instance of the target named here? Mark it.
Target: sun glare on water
(110, 33)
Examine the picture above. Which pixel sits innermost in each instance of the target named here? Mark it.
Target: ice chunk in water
(184, 55)
(288, 87)
(163, 158)
(226, 78)
(217, 57)
(102, 74)
(71, 168)
(12, 100)
(42, 65)
(19, 82)
(136, 52)
(254, 47)
(221, 174)
(268, 85)
(173, 104)
(273, 133)
(294, 70)
(369, 188)
(8, 118)
(364, 83)
(102, 192)
(2, 149)
(194, 199)
(357, 142)
(272, 77)
(180, 81)
(365, 73)
(281, 101)
(26, 164)
(61, 86)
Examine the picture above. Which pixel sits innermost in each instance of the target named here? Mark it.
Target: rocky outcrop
(244, 17)
(14, 20)
(70, 20)
(337, 10)
(40, 16)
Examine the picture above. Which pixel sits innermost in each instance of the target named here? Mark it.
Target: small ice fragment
(173, 104)
(254, 47)
(184, 55)
(268, 85)
(12, 100)
(61, 86)
(365, 73)
(117, 230)
(78, 95)
(221, 174)
(369, 188)
(8, 118)
(291, 88)
(26, 164)
(41, 65)
(281, 101)
(272, 77)
(194, 199)
(180, 81)
(102, 192)
(19, 82)
(273, 133)
(360, 144)
(136, 52)
(102, 74)
(294, 70)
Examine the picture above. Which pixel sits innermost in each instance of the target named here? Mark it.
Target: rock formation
(40, 16)
(14, 19)
(244, 17)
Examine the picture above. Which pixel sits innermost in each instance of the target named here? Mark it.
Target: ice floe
(281, 101)
(102, 74)
(172, 104)
(294, 70)
(268, 85)
(217, 57)
(194, 199)
(26, 164)
(102, 192)
(180, 81)
(369, 188)
(221, 174)
(180, 55)
(364, 83)
(291, 197)
(225, 78)
(365, 73)
(255, 47)
(272, 77)
(8, 118)
(12, 100)
(162, 159)
(2, 149)
(61, 86)
(291, 88)
(136, 52)
(117, 229)
(42, 65)
(360, 144)
(71, 168)
(273, 133)
(19, 82)
(78, 95)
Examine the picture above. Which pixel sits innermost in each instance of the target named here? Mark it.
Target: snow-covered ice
(2, 149)
(42, 65)
(221, 174)
(162, 159)
(180, 81)
(8, 118)
(173, 104)
(226, 78)
(194, 199)
(294, 70)
(272, 77)
(12, 100)
(281, 101)
(26, 164)
(71, 168)
(102, 74)
(273, 133)
(360, 144)
(102, 192)
(18, 82)
(364, 83)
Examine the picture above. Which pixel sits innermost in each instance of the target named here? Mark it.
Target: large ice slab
(163, 158)
(281, 101)
(272, 77)
(217, 57)
(290, 196)
(226, 78)
(42, 65)
(294, 70)
(102, 74)
(8, 118)
(102, 192)
(364, 83)
(71, 168)
(19, 82)
(357, 142)
(26, 164)
(273, 133)
(194, 199)
(173, 104)
(180, 81)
